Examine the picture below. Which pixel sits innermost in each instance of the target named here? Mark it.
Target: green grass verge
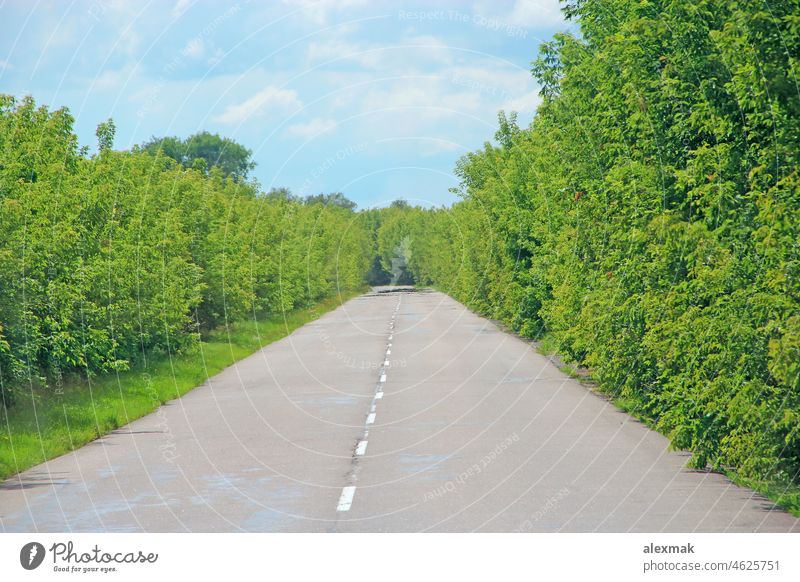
(43, 424)
(787, 497)
(546, 344)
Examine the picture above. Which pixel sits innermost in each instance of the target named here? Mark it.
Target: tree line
(648, 221)
(108, 259)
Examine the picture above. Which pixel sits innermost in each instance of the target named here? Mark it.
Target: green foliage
(105, 135)
(43, 425)
(332, 199)
(203, 151)
(113, 259)
(647, 221)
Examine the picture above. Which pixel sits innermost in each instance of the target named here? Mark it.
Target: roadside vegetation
(648, 223)
(645, 225)
(49, 421)
(129, 263)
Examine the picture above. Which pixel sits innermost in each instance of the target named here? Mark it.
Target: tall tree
(232, 158)
(105, 134)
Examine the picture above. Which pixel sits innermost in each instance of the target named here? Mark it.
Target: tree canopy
(213, 151)
(332, 199)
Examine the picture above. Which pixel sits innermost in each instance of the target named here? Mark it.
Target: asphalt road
(399, 411)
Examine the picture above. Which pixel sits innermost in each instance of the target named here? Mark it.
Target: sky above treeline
(375, 99)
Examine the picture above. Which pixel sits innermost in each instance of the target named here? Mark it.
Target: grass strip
(50, 421)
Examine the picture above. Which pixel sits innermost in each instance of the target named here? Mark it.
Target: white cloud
(499, 88)
(122, 20)
(426, 96)
(536, 13)
(422, 144)
(431, 48)
(317, 10)
(422, 118)
(324, 51)
(116, 78)
(533, 14)
(524, 103)
(57, 34)
(5, 65)
(269, 97)
(195, 47)
(216, 58)
(180, 7)
(395, 57)
(311, 128)
(338, 49)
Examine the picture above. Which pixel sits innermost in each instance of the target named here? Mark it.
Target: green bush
(649, 219)
(109, 258)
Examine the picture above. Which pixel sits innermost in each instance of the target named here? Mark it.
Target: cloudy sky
(375, 99)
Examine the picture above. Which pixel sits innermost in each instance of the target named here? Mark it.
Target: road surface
(399, 411)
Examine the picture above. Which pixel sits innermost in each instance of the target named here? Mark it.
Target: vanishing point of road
(399, 411)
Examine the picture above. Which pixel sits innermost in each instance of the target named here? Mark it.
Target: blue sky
(374, 99)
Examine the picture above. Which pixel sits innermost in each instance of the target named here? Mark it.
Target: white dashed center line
(346, 499)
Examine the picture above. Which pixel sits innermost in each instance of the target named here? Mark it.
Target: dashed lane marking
(346, 499)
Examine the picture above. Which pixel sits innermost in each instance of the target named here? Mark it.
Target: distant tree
(281, 194)
(231, 157)
(377, 275)
(332, 199)
(171, 147)
(399, 203)
(105, 134)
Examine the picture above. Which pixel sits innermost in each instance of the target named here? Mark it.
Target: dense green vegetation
(45, 423)
(111, 259)
(202, 151)
(648, 221)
